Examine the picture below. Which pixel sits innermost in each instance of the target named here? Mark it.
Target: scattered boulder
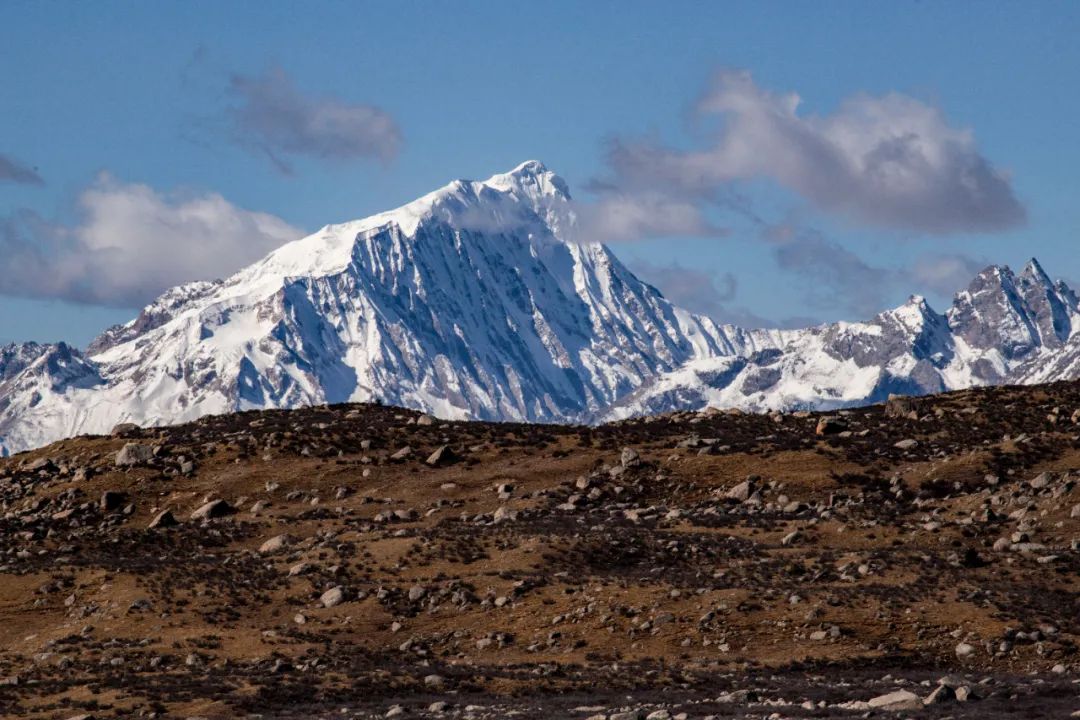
(274, 544)
(125, 429)
(163, 519)
(43, 464)
(212, 510)
(111, 500)
(443, 455)
(134, 454)
(830, 425)
(896, 700)
(902, 407)
(742, 491)
(332, 597)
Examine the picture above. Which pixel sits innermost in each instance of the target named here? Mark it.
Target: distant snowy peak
(1002, 328)
(1009, 317)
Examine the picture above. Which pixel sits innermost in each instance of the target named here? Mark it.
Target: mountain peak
(1034, 271)
(529, 167)
(531, 178)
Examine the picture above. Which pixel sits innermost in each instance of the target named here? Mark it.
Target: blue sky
(112, 105)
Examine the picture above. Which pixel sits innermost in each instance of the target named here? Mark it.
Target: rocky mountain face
(1004, 328)
(471, 302)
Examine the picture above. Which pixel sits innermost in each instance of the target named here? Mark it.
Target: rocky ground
(919, 558)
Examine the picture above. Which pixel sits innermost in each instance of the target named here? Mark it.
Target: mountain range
(476, 301)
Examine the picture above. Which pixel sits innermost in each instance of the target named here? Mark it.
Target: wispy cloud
(890, 161)
(944, 273)
(709, 294)
(270, 116)
(616, 216)
(830, 274)
(696, 290)
(130, 243)
(13, 170)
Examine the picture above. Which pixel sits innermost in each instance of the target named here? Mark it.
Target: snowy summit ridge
(470, 302)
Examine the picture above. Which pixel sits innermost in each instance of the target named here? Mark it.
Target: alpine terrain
(478, 301)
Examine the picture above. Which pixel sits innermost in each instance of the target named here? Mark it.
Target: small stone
(964, 650)
(504, 514)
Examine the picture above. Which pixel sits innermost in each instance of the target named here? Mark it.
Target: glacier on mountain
(473, 302)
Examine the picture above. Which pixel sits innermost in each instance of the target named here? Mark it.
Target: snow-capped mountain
(1004, 328)
(472, 302)
(466, 302)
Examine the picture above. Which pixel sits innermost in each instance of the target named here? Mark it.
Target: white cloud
(132, 242)
(629, 216)
(888, 161)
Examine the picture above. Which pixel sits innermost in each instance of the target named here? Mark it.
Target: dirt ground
(366, 561)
